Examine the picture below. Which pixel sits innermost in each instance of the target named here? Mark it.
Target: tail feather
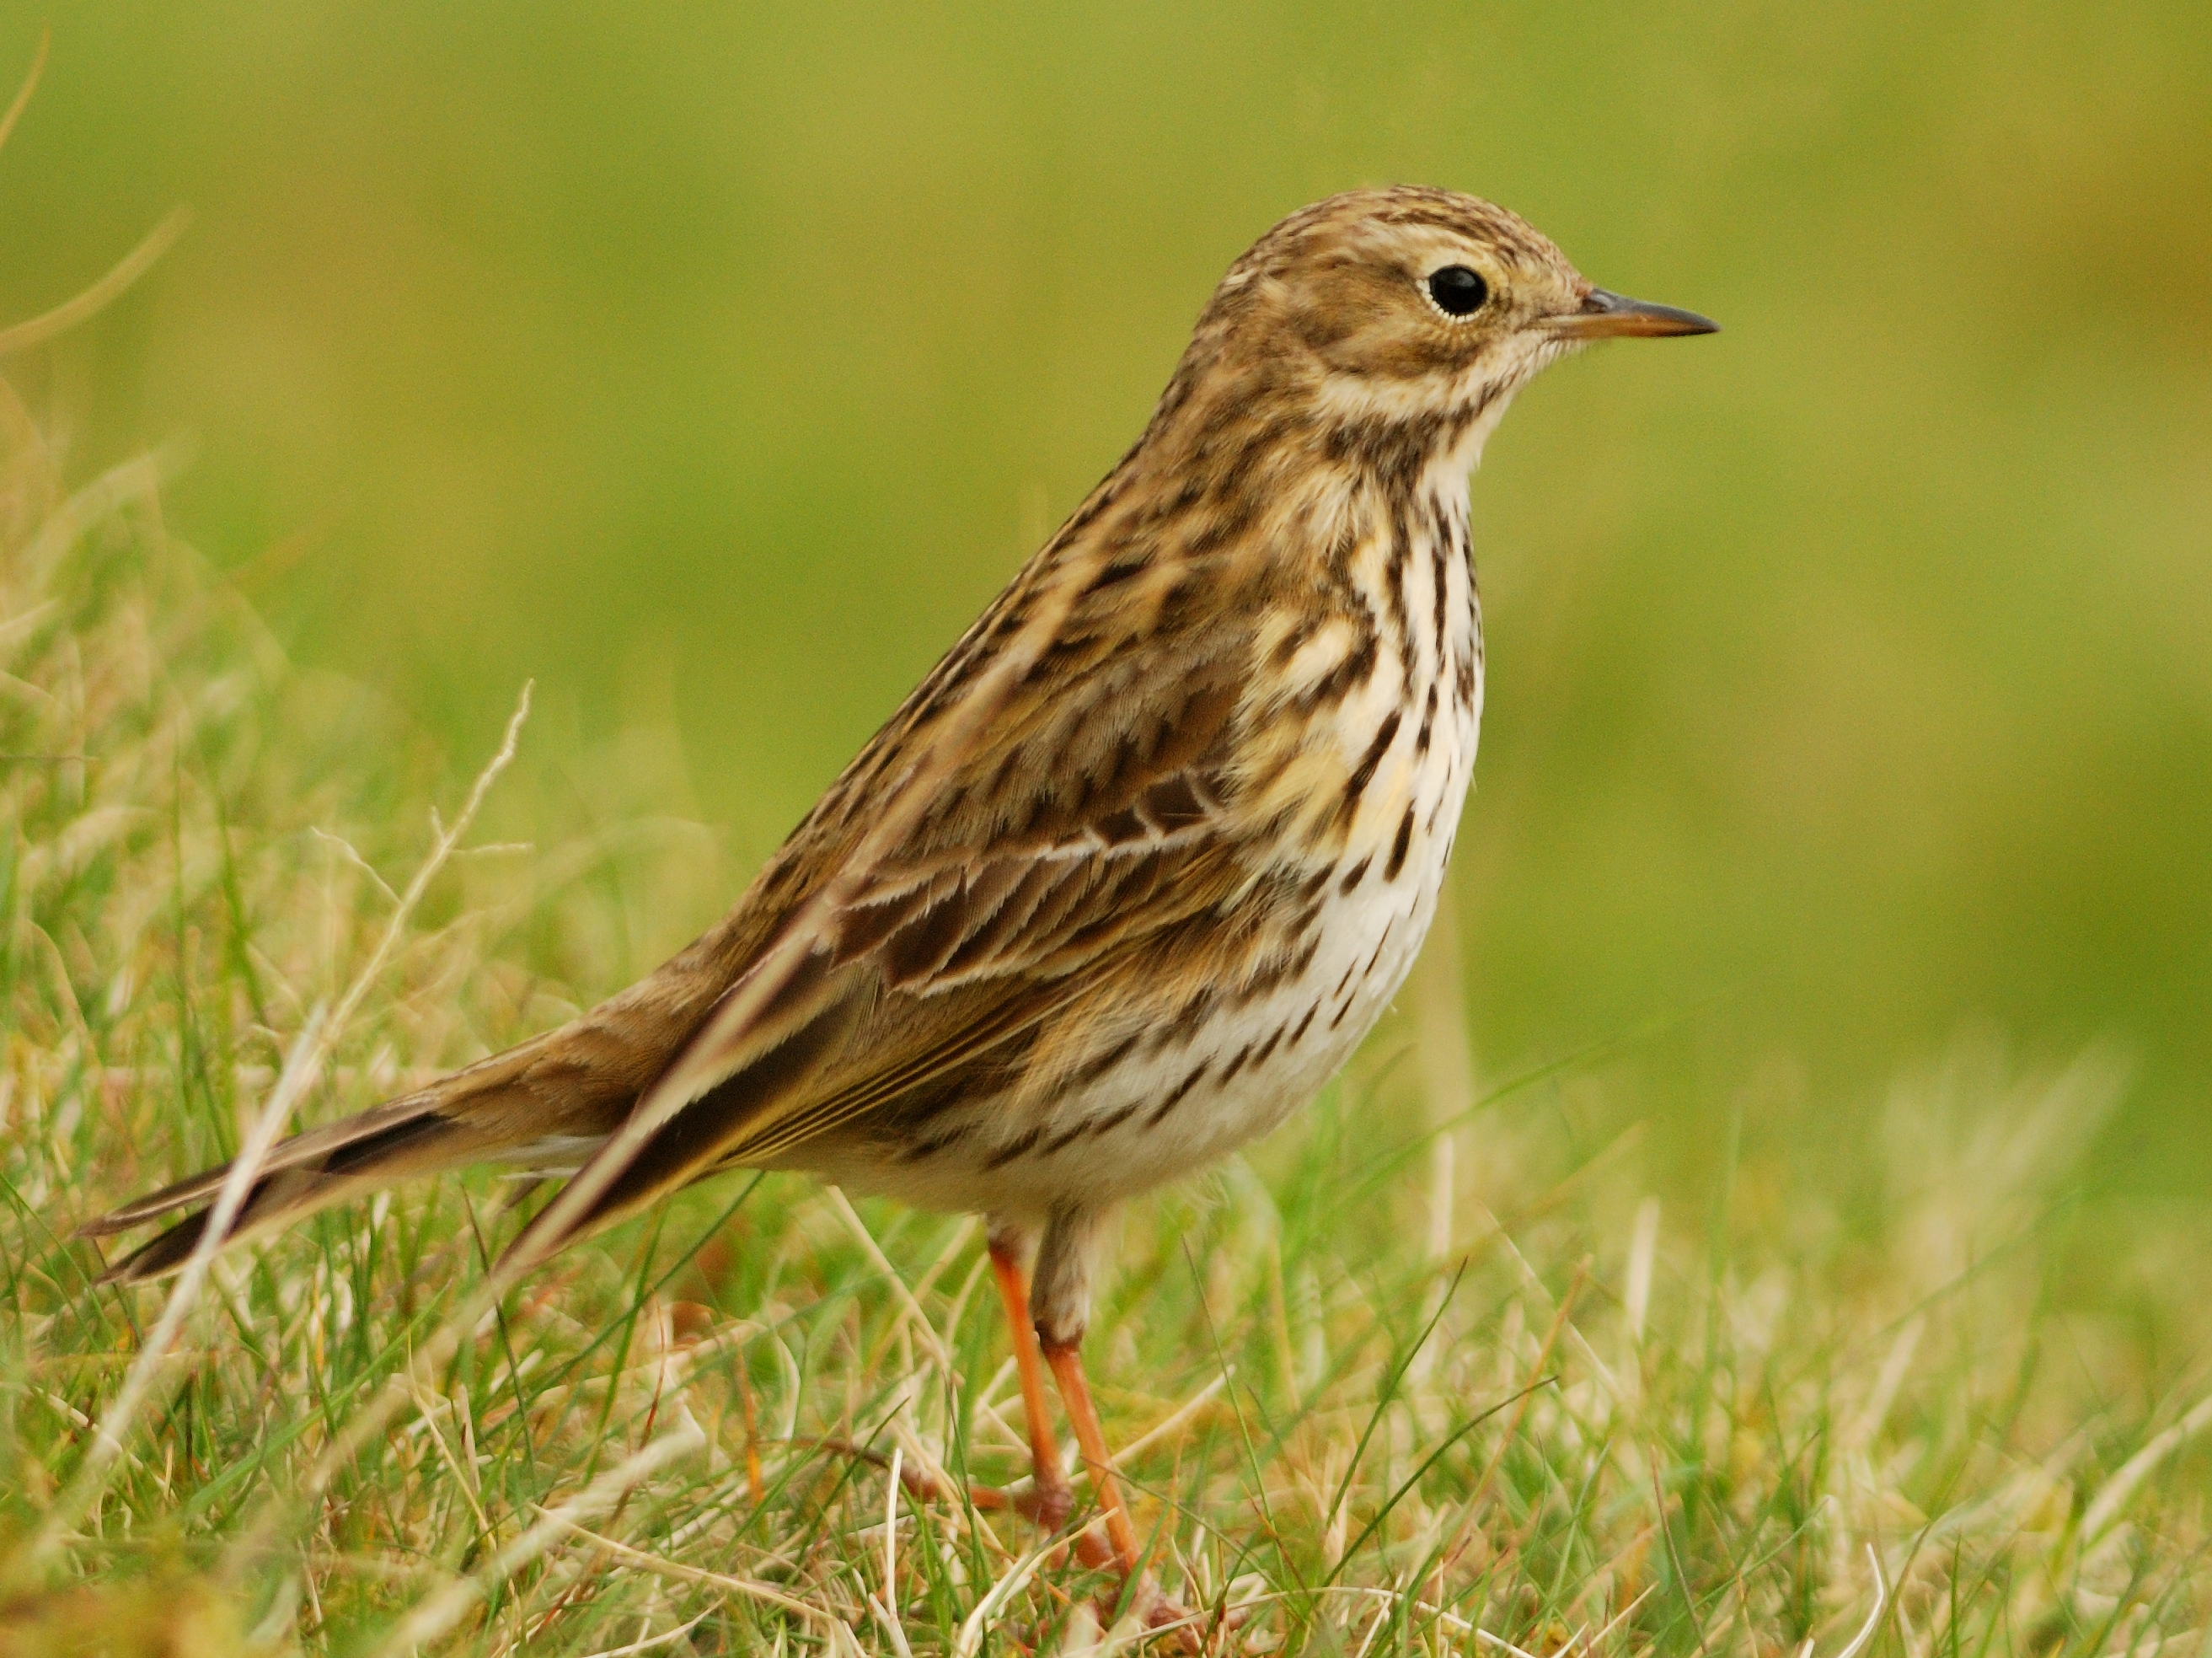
(356, 1135)
(547, 1105)
(400, 1142)
(470, 1116)
(157, 1259)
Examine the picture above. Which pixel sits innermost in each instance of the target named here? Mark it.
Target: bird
(1128, 875)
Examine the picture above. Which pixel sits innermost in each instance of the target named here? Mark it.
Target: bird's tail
(467, 1118)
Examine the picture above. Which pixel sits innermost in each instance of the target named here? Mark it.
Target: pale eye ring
(1457, 291)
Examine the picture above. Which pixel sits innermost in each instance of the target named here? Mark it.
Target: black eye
(1457, 290)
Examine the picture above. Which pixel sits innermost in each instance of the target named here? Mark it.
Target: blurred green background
(1850, 677)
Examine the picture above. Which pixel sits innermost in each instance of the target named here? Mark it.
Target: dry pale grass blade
(407, 1385)
(2112, 1496)
(436, 1616)
(648, 1642)
(30, 85)
(1016, 1577)
(447, 841)
(1643, 1253)
(1447, 1057)
(1174, 1421)
(131, 482)
(1894, 1368)
(885, 1606)
(746, 1589)
(107, 1445)
(37, 330)
(911, 1315)
(1859, 1642)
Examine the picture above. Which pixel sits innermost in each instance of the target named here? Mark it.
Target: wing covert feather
(938, 903)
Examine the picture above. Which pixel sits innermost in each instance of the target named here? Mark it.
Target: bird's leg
(1050, 1499)
(1066, 1256)
(1066, 1358)
(1051, 1334)
(1062, 1308)
(1156, 1609)
(1055, 1499)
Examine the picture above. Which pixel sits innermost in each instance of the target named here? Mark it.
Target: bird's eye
(1457, 290)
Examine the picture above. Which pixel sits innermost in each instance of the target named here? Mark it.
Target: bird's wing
(1055, 794)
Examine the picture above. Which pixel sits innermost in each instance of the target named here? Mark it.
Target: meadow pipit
(1133, 869)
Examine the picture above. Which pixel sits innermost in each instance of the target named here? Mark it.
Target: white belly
(1167, 1112)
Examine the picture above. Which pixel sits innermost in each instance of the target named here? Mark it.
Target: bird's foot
(1165, 1623)
(1048, 1507)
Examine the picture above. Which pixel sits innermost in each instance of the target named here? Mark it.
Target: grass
(1424, 1373)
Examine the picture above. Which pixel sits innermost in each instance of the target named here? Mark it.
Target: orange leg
(1054, 1500)
(1067, 1362)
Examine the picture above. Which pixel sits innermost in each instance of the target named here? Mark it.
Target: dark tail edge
(307, 1173)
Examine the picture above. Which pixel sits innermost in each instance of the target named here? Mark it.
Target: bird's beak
(1609, 316)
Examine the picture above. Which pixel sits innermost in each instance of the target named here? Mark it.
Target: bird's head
(1403, 311)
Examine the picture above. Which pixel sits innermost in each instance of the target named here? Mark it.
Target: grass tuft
(1383, 1388)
